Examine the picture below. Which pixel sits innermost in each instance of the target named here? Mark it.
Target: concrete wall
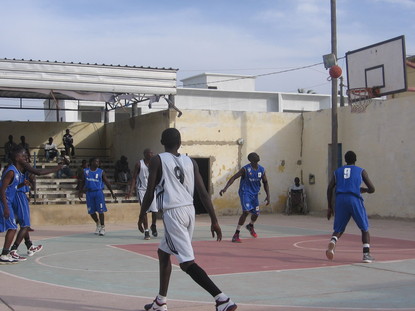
(130, 137)
(383, 140)
(290, 145)
(214, 135)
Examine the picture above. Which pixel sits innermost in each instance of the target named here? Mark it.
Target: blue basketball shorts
(7, 223)
(95, 202)
(21, 209)
(249, 203)
(348, 206)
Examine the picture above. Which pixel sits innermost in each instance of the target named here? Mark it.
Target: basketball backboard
(379, 65)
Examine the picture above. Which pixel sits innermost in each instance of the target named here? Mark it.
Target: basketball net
(360, 98)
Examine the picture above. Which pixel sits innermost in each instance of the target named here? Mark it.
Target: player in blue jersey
(93, 185)
(251, 176)
(8, 186)
(21, 208)
(347, 181)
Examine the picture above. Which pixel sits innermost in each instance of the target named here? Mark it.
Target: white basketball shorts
(178, 230)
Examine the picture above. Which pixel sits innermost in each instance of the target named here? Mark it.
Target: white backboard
(378, 65)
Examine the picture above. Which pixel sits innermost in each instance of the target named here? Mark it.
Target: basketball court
(285, 268)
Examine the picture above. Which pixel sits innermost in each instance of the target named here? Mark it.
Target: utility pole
(334, 124)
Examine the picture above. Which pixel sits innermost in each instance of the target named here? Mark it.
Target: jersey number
(346, 172)
(179, 174)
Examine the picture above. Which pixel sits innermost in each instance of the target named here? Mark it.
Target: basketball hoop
(360, 98)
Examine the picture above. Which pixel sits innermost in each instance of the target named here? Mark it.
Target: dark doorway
(204, 168)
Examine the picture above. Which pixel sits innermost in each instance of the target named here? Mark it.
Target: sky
(270, 39)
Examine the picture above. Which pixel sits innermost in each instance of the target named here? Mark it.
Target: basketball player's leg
(361, 219)
(342, 216)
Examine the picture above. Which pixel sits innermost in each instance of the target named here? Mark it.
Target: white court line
(38, 260)
(342, 249)
(210, 302)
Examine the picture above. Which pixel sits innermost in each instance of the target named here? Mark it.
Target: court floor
(285, 268)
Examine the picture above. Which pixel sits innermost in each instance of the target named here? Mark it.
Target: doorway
(204, 169)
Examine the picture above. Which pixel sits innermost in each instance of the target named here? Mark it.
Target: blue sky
(249, 37)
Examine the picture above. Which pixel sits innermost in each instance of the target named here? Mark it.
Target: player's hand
(215, 228)
(329, 213)
(222, 191)
(267, 201)
(80, 194)
(141, 222)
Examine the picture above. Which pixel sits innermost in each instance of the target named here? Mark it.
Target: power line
(261, 75)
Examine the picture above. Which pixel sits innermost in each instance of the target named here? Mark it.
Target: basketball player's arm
(154, 175)
(45, 171)
(370, 188)
(207, 203)
(330, 190)
(108, 184)
(81, 186)
(7, 179)
(133, 180)
(232, 179)
(266, 187)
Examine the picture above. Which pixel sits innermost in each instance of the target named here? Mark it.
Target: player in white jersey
(175, 177)
(139, 182)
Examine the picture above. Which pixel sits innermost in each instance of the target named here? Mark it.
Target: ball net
(360, 98)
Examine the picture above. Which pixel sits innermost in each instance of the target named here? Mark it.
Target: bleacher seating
(52, 190)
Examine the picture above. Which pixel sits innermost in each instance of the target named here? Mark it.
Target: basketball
(335, 71)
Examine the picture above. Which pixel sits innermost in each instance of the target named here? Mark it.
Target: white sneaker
(226, 305)
(330, 250)
(98, 229)
(367, 258)
(7, 260)
(16, 256)
(33, 250)
(155, 306)
(102, 231)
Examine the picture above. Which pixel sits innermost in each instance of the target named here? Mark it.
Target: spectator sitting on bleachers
(122, 171)
(51, 151)
(65, 170)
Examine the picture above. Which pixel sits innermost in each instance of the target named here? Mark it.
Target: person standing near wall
(251, 176)
(67, 140)
(347, 181)
(139, 182)
(93, 184)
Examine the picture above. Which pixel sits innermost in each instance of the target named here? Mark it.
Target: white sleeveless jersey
(177, 183)
(142, 177)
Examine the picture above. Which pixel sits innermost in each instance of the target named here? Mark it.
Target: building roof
(62, 80)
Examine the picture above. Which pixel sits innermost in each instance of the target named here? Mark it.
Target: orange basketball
(335, 71)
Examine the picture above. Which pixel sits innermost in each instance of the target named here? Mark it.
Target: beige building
(290, 145)
(295, 144)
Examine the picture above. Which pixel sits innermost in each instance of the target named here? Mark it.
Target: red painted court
(283, 253)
